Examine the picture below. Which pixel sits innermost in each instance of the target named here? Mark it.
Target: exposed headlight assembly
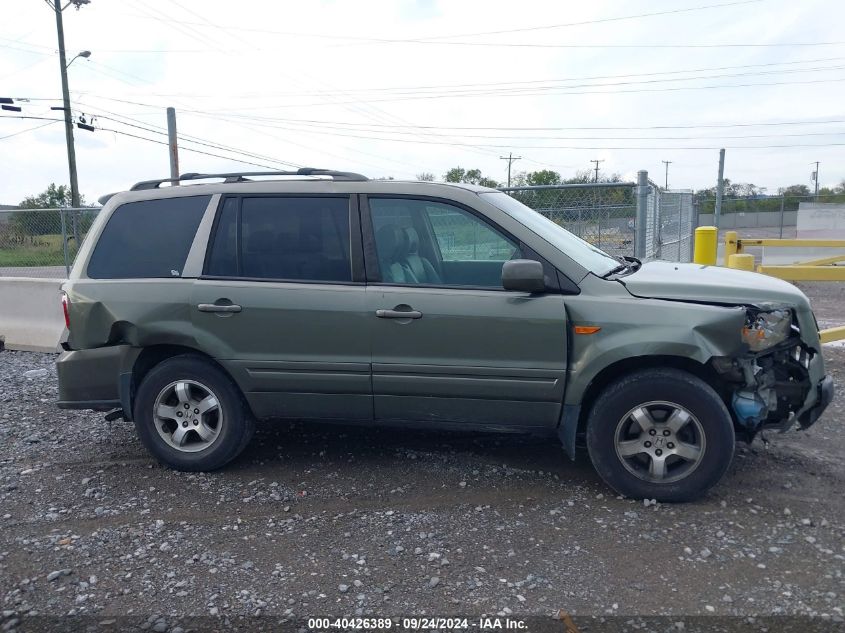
(763, 330)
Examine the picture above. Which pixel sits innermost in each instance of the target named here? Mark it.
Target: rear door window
(284, 238)
(147, 239)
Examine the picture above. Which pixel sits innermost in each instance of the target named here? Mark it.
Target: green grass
(38, 250)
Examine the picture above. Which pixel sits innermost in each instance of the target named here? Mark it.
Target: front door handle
(399, 314)
(214, 307)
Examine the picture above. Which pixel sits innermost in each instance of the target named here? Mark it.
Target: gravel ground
(315, 520)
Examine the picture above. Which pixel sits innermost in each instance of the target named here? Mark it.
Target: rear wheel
(660, 434)
(190, 416)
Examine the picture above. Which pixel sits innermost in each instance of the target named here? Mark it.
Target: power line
(199, 141)
(433, 39)
(321, 122)
(393, 130)
(532, 147)
(597, 21)
(522, 86)
(161, 130)
(609, 46)
(374, 112)
(188, 149)
(30, 129)
(524, 147)
(561, 93)
(360, 128)
(401, 129)
(440, 39)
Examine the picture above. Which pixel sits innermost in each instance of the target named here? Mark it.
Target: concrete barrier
(31, 315)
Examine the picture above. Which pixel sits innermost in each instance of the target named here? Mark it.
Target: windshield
(593, 259)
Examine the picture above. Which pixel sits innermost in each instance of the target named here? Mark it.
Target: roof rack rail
(243, 176)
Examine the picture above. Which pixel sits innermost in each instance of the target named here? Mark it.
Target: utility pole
(510, 158)
(172, 145)
(666, 184)
(816, 178)
(720, 188)
(597, 161)
(71, 152)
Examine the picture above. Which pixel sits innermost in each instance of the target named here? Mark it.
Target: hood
(710, 284)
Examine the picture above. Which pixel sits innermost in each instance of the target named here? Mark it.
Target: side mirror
(524, 275)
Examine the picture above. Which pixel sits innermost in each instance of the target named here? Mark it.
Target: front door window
(432, 243)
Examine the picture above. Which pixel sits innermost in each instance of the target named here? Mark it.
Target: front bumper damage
(824, 398)
(781, 387)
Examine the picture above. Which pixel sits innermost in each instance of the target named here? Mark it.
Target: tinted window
(432, 243)
(147, 239)
(282, 238)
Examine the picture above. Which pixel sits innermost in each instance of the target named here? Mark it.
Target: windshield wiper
(629, 264)
(621, 268)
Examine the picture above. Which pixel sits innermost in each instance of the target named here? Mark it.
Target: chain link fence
(606, 215)
(760, 216)
(42, 242)
(676, 218)
(603, 214)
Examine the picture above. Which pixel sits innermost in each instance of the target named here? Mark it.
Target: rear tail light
(65, 306)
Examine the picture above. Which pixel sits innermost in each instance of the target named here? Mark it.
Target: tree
(581, 176)
(795, 190)
(456, 174)
(425, 176)
(469, 176)
(49, 222)
(542, 177)
(53, 197)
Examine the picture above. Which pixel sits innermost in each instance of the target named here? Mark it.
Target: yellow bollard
(742, 261)
(706, 239)
(731, 245)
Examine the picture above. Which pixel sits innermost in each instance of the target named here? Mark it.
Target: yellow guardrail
(819, 269)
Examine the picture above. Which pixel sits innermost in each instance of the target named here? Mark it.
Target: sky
(403, 87)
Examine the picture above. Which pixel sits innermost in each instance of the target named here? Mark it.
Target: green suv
(197, 308)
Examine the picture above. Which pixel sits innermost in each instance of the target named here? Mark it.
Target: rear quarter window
(150, 238)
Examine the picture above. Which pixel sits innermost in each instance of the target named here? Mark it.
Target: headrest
(392, 243)
(413, 241)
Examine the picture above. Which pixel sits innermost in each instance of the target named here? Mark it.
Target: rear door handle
(399, 314)
(213, 307)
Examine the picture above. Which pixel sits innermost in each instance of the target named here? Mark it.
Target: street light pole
(71, 152)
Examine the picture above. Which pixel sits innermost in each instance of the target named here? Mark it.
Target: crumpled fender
(136, 314)
(663, 328)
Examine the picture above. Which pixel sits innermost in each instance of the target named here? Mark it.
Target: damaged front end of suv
(769, 364)
(779, 381)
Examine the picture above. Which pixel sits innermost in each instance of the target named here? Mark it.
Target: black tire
(710, 427)
(235, 430)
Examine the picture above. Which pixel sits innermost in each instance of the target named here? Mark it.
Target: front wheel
(660, 434)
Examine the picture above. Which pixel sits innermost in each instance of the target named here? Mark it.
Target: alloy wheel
(188, 416)
(660, 442)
